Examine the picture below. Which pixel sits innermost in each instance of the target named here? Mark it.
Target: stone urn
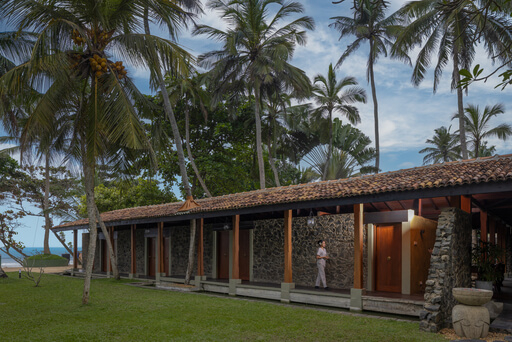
(470, 319)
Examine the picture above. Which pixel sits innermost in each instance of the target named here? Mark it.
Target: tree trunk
(271, 160)
(113, 259)
(191, 251)
(259, 149)
(2, 273)
(460, 105)
(170, 114)
(190, 157)
(375, 111)
(329, 150)
(13, 257)
(46, 205)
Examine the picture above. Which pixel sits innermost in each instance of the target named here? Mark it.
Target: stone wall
(336, 230)
(450, 266)
(123, 250)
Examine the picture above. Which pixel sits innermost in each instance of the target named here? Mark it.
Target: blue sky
(408, 115)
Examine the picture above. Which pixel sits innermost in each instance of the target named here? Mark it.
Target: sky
(408, 115)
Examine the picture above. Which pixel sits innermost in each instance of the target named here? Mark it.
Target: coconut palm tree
(369, 24)
(445, 147)
(256, 51)
(477, 126)
(76, 49)
(336, 97)
(450, 30)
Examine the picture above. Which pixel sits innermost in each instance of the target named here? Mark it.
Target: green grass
(117, 312)
(45, 257)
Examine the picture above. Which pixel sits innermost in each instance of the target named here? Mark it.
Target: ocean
(8, 262)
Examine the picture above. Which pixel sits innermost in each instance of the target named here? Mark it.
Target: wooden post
(483, 226)
(200, 250)
(111, 233)
(416, 204)
(288, 278)
(75, 249)
(465, 203)
(133, 267)
(492, 230)
(160, 249)
(454, 201)
(236, 247)
(358, 245)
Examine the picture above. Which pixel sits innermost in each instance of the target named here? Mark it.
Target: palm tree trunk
(190, 157)
(170, 114)
(191, 251)
(259, 149)
(329, 150)
(460, 105)
(63, 243)
(271, 160)
(375, 112)
(46, 205)
(93, 234)
(113, 259)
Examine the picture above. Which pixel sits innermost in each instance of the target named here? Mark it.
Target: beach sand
(47, 270)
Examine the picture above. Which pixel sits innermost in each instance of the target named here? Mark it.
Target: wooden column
(200, 250)
(465, 203)
(358, 245)
(75, 249)
(160, 244)
(492, 230)
(483, 226)
(111, 233)
(417, 206)
(235, 274)
(288, 277)
(133, 268)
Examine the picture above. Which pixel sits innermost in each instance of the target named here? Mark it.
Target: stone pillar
(450, 266)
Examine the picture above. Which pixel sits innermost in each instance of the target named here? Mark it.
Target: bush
(45, 257)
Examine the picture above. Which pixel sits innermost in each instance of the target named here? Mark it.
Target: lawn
(117, 312)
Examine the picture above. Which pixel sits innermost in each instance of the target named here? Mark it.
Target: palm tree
(477, 126)
(445, 147)
(333, 96)
(256, 51)
(450, 29)
(350, 155)
(76, 44)
(369, 24)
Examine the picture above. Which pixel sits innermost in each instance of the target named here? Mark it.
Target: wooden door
(223, 254)
(388, 258)
(166, 256)
(151, 256)
(104, 256)
(244, 254)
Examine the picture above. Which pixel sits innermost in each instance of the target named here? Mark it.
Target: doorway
(388, 258)
(244, 254)
(151, 256)
(223, 254)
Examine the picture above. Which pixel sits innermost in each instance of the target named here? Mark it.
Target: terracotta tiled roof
(482, 170)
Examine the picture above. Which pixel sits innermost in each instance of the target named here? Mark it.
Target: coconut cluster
(77, 38)
(98, 64)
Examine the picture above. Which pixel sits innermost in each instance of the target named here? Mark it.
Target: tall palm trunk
(113, 259)
(170, 114)
(93, 234)
(259, 148)
(190, 157)
(460, 105)
(46, 205)
(375, 110)
(271, 157)
(329, 149)
(191, 251)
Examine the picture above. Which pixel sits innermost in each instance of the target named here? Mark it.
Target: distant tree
(477, 126)
(333, 96)
(445, 147)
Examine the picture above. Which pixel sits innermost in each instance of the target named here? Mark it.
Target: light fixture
(311, 219)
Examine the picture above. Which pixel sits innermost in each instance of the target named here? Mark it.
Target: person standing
(321, 256)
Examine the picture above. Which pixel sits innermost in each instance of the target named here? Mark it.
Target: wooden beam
(358, 245)
(133, 268)
(75, 249)
(492, 230)
(288, 278)
(160, 247)
(200, 250)
(386, 217)
(483, 226)
(465, 203)
(235, 274)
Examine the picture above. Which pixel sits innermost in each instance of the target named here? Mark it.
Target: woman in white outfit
(321, 256)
